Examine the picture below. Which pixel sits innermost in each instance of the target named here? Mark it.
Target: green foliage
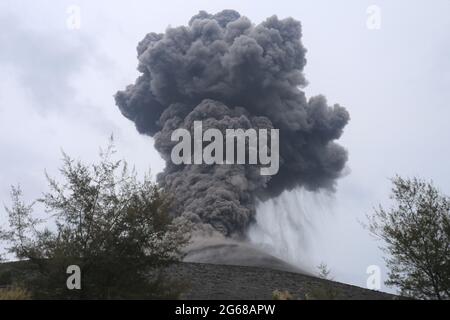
(416, 236)
(102, 218)
(282, 295)
(14, 293)
(326, 290)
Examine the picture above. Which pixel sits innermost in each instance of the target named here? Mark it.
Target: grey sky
(56, 88)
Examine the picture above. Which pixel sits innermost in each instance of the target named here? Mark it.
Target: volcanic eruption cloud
(229, 73)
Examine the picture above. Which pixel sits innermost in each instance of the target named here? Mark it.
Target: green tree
(416, 236)
(325, 290)
(105, 220)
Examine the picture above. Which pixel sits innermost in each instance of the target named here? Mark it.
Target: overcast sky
(57, 86)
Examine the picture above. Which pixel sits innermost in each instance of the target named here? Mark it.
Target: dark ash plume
(230, 73)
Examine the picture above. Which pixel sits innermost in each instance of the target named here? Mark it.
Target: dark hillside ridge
(207, 281)
(212, 281)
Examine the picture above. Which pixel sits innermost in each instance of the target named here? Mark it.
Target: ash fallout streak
(229, 73)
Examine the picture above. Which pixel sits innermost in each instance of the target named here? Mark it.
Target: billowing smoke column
(229, 73)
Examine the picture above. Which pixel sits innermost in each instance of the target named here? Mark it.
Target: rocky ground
(212, 281)
(217, 281)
